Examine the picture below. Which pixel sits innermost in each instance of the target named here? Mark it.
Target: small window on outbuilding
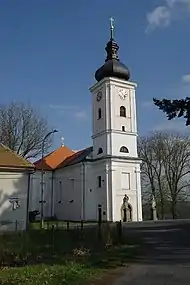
(122, 111)
(99, 113)
(123, 128)
(100, 150)
(124, 149)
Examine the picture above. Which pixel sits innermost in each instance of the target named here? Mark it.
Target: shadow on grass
(88, 247)
(61, 257)
(103, 249)
(75, 256)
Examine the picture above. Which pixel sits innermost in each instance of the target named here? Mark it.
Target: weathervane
(111, 26)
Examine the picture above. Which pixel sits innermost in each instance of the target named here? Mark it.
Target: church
(106, 175)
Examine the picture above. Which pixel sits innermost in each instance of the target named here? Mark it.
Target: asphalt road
(164, 258)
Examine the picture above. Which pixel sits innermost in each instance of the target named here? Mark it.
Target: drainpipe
(83, 190)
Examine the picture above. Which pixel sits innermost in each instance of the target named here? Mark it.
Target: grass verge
(67, 274)
(61, 257)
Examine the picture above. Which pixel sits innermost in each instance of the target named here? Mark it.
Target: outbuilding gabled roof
(53, 159)
(9, 159)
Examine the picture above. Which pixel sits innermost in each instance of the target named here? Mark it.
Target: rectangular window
(99, 181)
(125, 181)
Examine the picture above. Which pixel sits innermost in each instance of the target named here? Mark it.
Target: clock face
(99, 96)
(123, 93)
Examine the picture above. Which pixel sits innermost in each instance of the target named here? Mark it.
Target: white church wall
(95, 193)
(13, 187)
(85, 203)
(90, 199)
(35, 192)
(68, 186)
(129, 141)
(116, 101)
(108, 131)
(117, 131)
(111, 144)
(98, 124)
(125, 180)
(68, 193)
(111, 193)
(100, 142)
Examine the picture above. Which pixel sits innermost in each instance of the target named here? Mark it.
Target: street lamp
(42, 179)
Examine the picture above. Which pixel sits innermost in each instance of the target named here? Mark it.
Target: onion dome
(112, 66)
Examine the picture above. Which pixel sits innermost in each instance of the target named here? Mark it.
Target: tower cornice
(112, 81)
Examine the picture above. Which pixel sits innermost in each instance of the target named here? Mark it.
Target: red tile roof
(76, 157)
(55, 158)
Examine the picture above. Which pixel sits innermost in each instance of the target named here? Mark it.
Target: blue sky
(50, 50)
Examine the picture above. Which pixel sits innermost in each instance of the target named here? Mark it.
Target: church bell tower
(114, 132)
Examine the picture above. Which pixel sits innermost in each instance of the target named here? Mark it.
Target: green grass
(61, 257)
(68, 274)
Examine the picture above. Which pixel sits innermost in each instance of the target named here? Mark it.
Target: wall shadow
(162, 245)
(11, 187)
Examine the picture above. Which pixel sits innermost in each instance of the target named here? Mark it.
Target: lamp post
(42, 179)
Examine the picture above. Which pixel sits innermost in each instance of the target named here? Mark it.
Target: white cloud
(81, 115)
(171, 3)
(162, 16)
(186, 78)
(76, 112)
(63, 107)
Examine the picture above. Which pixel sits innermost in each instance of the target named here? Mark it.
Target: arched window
(100, 150)
(122, 111)
(99, 113)
(124, 149)
(123, 128)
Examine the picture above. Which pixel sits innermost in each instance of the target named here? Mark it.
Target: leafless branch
(22, 129)
(166, 161)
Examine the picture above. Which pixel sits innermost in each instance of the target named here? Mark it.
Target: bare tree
(166, 158)
(147, 156)
(176, 161)
(150, 153)
(22, 129)
(161, 189)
